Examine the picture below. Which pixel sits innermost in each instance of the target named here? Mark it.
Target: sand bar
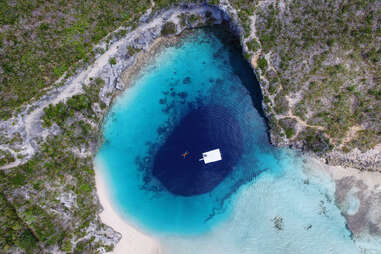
(133, 241)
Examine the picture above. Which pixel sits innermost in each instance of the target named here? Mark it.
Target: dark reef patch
(187, 80)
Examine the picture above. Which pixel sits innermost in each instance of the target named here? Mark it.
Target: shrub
(252, 45)
(79, 102)
(57, 113)
(262, 63)
(27, 241)
(112, 60)
(168, 28)
(6, 157)
(66, 246)
(266, 99)
(375, 92)
(132, 51)
(289, 132)
(18, 179)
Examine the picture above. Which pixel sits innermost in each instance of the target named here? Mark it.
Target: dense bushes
(6, 157)
(252, 45)
(14, 231)
(35, 54)
(262, 63)
(168, 28)
(315, 140)
(288, 125)
(326, 56)
(55, 170)
(112, 61)
(60, 112)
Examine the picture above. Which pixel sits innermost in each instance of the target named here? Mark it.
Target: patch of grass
(45, 176)
(365, 140)
(6, 157)
(60, 112)
(262, 64)
(112, 61)
(315, 141)
(27, 241)
(253, 45)
(18, 179)
(132, 51)
(281, 104)
(289, 132)
(327, 54)
(288, 125)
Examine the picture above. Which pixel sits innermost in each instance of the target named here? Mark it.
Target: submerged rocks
(187, 80)
(278, 223)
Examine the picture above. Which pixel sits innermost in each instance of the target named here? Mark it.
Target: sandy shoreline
(349, 184)
(357, 195)
(133, 241)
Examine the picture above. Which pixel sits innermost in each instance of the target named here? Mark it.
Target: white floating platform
(211, 156)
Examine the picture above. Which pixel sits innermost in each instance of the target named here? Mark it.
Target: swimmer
(185, 154)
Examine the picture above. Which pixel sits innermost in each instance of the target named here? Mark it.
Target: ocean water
(197, 96)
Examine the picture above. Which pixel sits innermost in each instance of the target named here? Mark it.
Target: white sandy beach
(133, 241)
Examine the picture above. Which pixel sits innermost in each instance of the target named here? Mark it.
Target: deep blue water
(197, 96)
(202, 129)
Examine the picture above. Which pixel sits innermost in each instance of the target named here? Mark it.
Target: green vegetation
(37, 49)
(262, 64)
(60, 112)
(246, 9)
(325, 54)
(288, 125)
(253, 45)
(315, 140)
(27, 241)
(168, 29)
(6, 157)
(328, 53)
(365, 139)
(289, 132)
(55, 167)
(281, 104)
(112, 61)
(14, 232)
(132, 51)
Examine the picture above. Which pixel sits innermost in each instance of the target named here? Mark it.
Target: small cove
(196, 96)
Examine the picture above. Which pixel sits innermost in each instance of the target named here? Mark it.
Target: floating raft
(211, 156)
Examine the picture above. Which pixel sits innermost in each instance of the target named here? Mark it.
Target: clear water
(195, 97)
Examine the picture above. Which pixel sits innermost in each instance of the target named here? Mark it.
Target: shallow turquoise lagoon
(195, 97)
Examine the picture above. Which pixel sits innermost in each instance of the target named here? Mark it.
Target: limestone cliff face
(318, 77)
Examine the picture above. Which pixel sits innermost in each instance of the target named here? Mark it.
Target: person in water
(185, 154)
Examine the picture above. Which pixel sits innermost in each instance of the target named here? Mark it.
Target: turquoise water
(262, 202)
